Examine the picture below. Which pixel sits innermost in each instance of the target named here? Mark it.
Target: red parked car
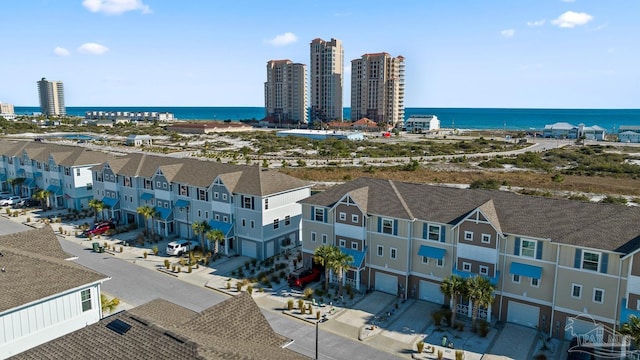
(99, 229)
(300, 280)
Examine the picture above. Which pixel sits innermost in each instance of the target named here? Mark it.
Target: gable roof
(34, 263)
(233, 329)
(564, 221)
(65, 155)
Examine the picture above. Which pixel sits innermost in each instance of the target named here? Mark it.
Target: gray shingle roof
(233, 329)
(65, 155)
(592, 225)
(34, 266)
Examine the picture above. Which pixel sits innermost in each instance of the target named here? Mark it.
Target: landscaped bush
(436, 316)
(290, 304)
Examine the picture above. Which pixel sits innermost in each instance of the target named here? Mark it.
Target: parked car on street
(26, 203)
(98, 229)
(10, 200)
(304, 277)
(180, 247)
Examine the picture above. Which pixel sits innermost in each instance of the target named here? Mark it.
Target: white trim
(342, 216)
(343, 243)
(354, 246)
(601, 297)
(482, 267)
(355, 218)
(314, 237)
(393, 250)
(599, 260)
(537, 280)
(325, 238)
(590, 272)
(440, 263)
(573, 286)
(464, 265)
(535, 248)
(379, 252)
(482, 238)
(470, 233)
(513, 278)
(537, 260)
(568, 311)
(507, 296)
(388, 269)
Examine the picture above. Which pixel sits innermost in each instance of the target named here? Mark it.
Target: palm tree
(108, 305)
(16, 182)
(324, 256)
(148, 212)
(97, 206)
(632, 329)
(42, 196)
(215, 237)
(481, 293)
(340, 262)
(454, 286)
(200, 228)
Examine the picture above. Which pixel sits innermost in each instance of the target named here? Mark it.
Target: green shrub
(166, 263)
(300, 304)
(228, 285)
(290, 304)
(308, 293)
(420, 346)
(239, 286)
(250, 289)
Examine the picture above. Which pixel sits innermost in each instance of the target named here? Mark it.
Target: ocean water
(459, 118)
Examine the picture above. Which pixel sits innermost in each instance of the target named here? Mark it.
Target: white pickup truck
(180, 247)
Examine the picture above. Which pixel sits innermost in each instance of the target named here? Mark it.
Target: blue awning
(431, 252)
(29, 184)
(530, 271)
(182, 203)
(110, 202)
(358, 256)
(163, 213)
(467, 275)
(37, 174)
(146, 196)
(220, 225)
(55, 190)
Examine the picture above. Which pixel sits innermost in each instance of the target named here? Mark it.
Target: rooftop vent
(119, 326)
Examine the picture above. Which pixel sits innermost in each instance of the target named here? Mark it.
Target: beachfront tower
(285, 92)
(51, 94)
(327, 68)
(377, 88)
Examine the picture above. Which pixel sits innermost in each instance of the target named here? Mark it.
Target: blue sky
(459, 53)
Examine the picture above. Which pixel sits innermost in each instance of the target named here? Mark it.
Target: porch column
(470, 313)
(489, 314)
(358, 280)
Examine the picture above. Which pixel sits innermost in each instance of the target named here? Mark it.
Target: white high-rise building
(285, 92)
(327, 68)
(7, 111)
(377, 88)
(51, 95)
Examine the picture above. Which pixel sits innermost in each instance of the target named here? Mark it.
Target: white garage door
(576, 327)
(387, 283)
(249, 249)
(431, 292)
(523, 314)
(270, 251)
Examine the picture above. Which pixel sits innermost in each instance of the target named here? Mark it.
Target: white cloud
(115, 7)
(92, 49)
(572, 19)
(283, 39)
(535, 23)
(508, 33)
(60, 51)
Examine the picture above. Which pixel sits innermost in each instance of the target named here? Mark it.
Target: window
(276, 224)
(319, 215)
(528, 248)
(166, 204)
(590, 260)
(164, 185)
(203, 195)
(484, 270)
(354, 218)
(247, 202)
(244, 222)
(440, 262)
(184, 190)
(313, 237)
(343, 216)
(393, 252)
(148, 184)
(535, 282)
(225, 219)
(466, 266)
(266, 204)
(387, 226)
(434, 232)
(380, 250)
(127, 181)
(468, 235)
(224, 196)
(425, 260)
(576, 291)
(77, 172)
(158, 184)
(343, 242)
(598, 296)
(216, 195)
(253, 224)
(354, 245)
(217, 217)
(515, 278)
(85, 296)
(67, 171)
(486, 238)
(287, 220)
(324, 238)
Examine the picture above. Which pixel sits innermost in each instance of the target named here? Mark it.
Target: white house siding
(350, 231)
(477, 253)
(42, 322)
(221, 207)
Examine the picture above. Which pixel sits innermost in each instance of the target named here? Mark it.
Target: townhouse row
(564, 267)
(256, 209)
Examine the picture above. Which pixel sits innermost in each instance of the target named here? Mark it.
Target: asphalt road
(137, 285)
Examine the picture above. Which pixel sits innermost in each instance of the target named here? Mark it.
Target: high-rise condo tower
(51, 95)
(377, 88)
(327, 67)
(285, 92)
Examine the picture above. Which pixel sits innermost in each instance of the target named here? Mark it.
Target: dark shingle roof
(34, 264)
(65, 155)
(233, 329)
(564, 221)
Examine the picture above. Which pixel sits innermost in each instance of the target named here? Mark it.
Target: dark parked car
(304, 277)
(26, 203)
(98, 229)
